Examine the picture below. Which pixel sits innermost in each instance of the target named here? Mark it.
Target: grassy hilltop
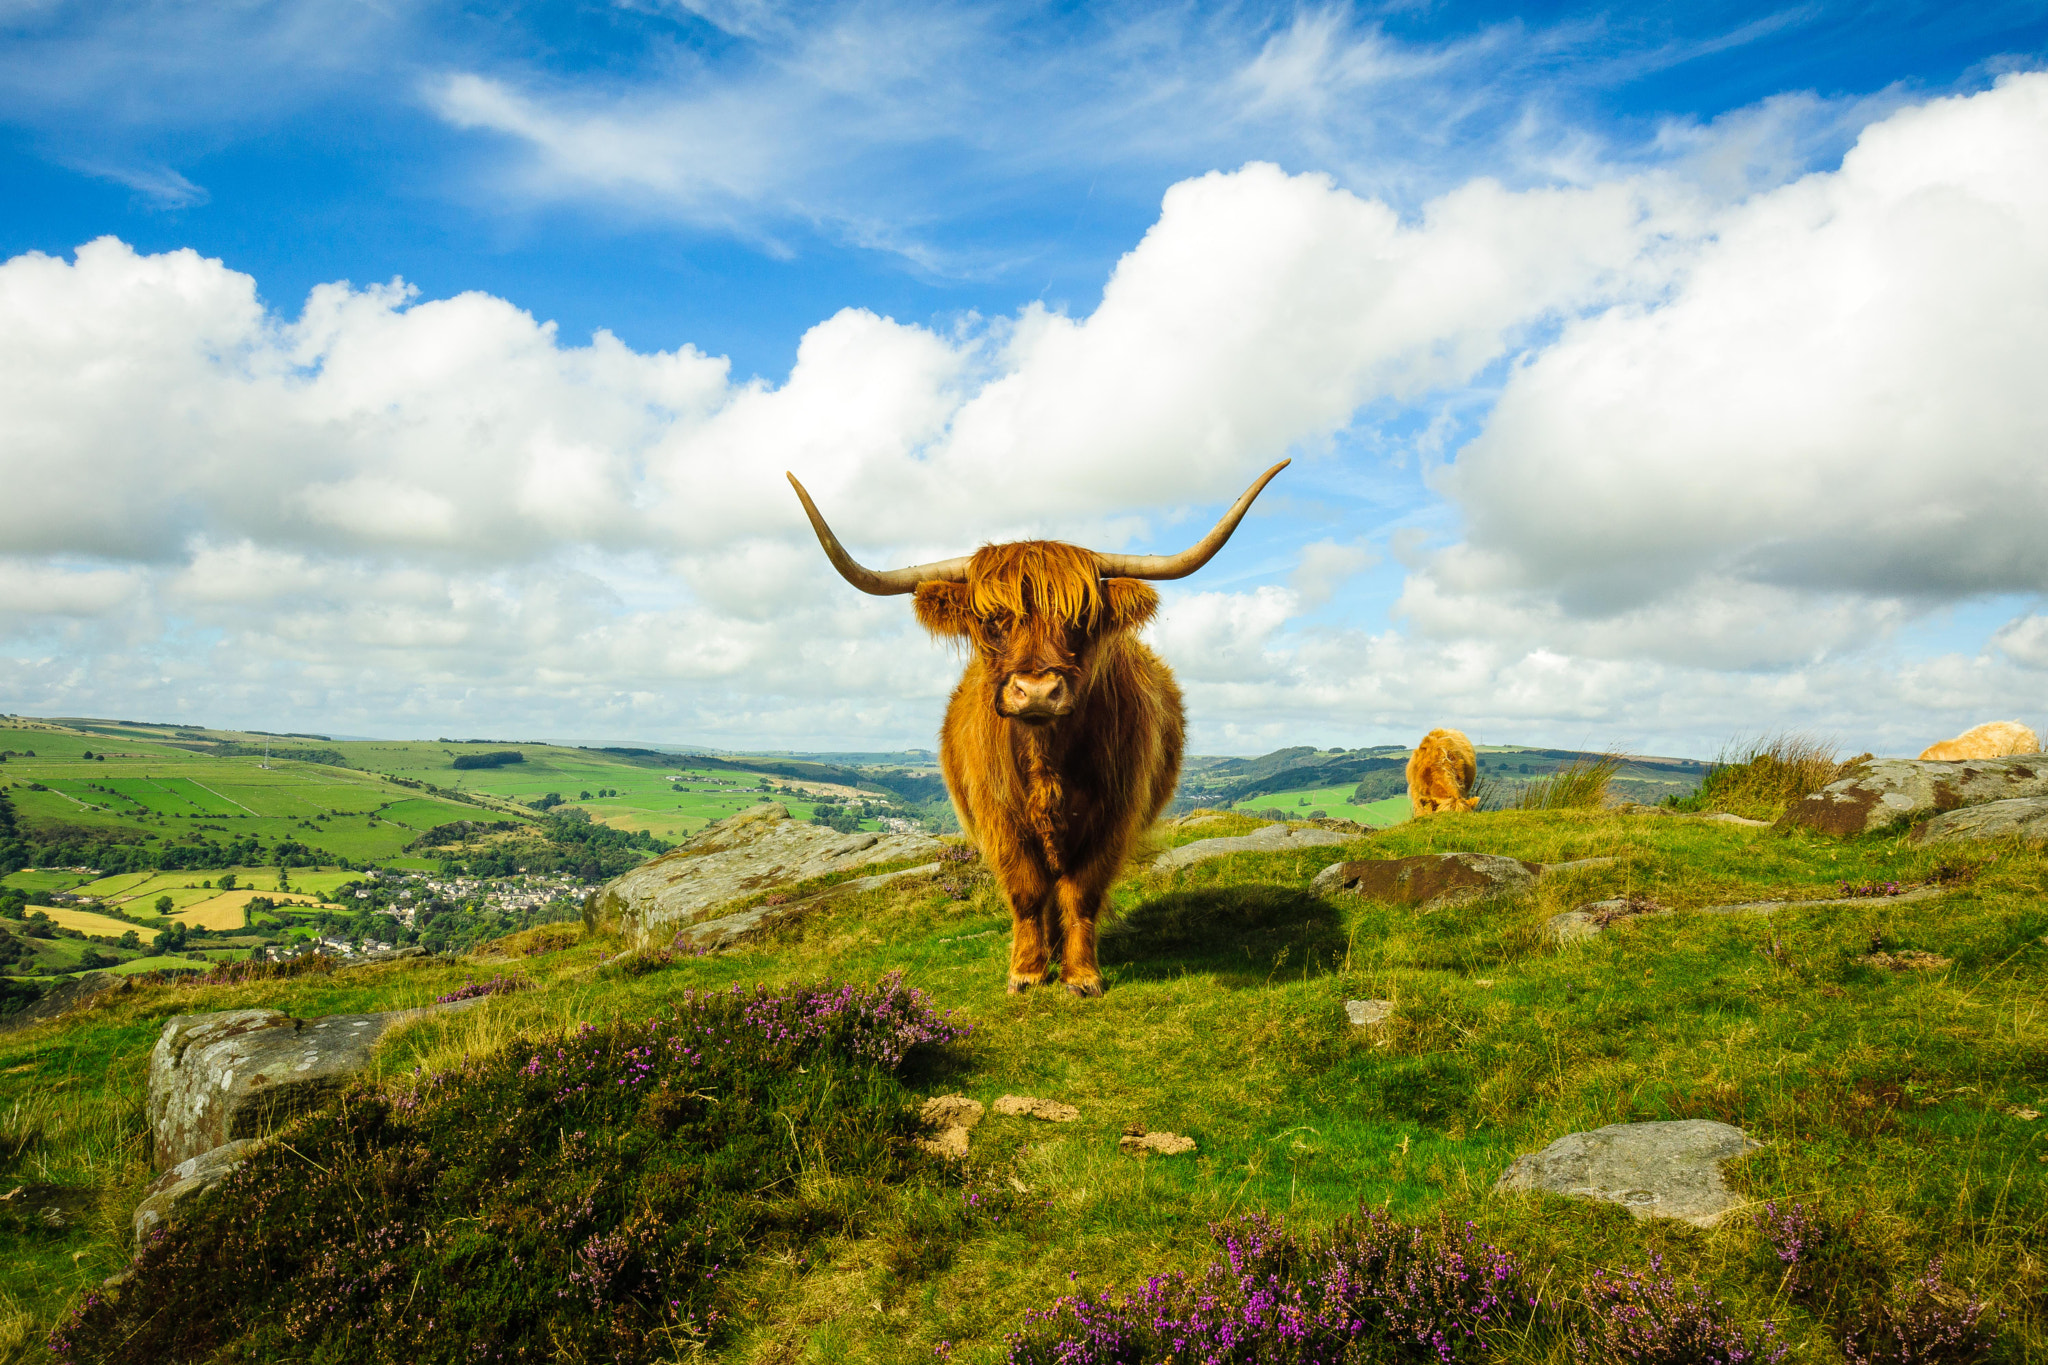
(621, 1159)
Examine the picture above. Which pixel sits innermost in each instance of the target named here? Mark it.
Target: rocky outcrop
(216, 1078)
(1654, 1170)
(1427, 878)
(185, 1182)
(1885, 790)
(2021, 817)
(753, 851)
(754, 922)
(1270, 839)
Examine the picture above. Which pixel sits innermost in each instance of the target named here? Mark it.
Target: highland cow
(1441, 772)
(1992, 739)
(1063, 740)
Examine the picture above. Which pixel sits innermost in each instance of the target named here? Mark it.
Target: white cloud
(1735, 451)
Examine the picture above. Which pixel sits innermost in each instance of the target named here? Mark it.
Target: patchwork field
(86, 922)
(1332, 801)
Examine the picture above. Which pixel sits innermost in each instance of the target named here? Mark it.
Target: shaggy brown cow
(1063, 740)
(1441, 772)
(1992, 739)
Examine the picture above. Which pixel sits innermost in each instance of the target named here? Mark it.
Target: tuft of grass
(1760, 777)
(1581, 786)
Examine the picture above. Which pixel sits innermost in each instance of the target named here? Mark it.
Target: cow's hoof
(1087, 990)
(1021, 984)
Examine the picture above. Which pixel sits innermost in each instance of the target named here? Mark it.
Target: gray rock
(1585, 921)
(753, 851)
(1428, 878)
(215, 1078)
(1654, 1170)
(185, 1182)
(2024, 817)
(1886, 789)
(1722, 817)
(1368, 1013)
(744, 926)
(1270, 839)
(1582, 922)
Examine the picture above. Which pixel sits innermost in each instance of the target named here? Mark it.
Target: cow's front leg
(1080, 902)
(1031, 904)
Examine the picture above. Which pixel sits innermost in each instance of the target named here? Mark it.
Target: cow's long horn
(1196, 555)
(888, 582)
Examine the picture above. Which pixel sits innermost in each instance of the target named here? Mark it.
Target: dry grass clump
(1581, 786)
(1760, 777)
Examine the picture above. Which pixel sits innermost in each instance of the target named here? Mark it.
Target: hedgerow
(586, 1199)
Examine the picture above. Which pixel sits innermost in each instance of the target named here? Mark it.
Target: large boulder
(1266, 839)
(750, 852)
(2024, 817)
(216, 1078)
(1428, 878)
(186, 1181)
(1654, 1170)
(1885, 790)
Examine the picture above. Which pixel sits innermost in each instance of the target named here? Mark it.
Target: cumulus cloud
(1734, 450)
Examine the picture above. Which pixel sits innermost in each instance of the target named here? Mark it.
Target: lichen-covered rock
(1885, 790)
(1427, 878)
(2023, 817)
(1654, 1170)
(215, 1078)
(186, 1181)
(1269, 839)
(753, 851)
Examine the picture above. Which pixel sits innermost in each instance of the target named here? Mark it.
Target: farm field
(86, 922)
(667, 797)
(1332, 801)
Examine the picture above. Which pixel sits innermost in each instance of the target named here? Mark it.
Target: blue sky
(1534, 443)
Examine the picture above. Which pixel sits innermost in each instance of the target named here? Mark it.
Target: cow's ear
(943, 609)
(1129, 603)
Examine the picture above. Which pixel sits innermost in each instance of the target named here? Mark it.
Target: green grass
(1334, 802)
(1886, 1096)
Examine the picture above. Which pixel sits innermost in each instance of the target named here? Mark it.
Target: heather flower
(1372, 1287)
(1937, 1324)
(1647, 1319)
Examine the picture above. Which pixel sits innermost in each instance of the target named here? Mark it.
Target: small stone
(2024, 1115)
(1024, 1106)
(1368, 1013)
(1584, 921)
(1137, 1142)
(1654, 1170)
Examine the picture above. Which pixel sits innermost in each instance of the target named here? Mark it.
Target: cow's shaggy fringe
(1036, 578)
